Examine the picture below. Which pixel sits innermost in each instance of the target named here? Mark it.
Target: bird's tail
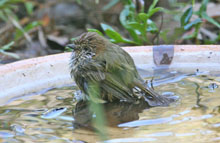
(152, 97)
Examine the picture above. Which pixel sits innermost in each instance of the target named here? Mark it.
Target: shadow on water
(114, 112)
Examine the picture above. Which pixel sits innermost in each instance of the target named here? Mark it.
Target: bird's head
(90, 41)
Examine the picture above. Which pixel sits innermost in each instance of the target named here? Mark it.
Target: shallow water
(47, 116)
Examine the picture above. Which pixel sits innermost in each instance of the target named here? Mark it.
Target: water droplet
(213, 86)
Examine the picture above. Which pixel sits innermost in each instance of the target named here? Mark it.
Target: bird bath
(28, 90)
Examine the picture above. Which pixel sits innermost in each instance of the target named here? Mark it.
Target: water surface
(47, 116)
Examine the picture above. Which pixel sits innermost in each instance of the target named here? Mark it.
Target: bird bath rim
(36, 74)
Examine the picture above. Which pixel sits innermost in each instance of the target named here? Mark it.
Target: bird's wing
(126, 78)
(95, 72)
(120, 72)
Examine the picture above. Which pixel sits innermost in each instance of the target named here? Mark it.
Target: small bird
(104, 72)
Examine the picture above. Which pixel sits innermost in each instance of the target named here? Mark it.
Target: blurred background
(32, 28)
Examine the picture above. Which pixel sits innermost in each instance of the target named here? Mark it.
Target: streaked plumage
(102, 68)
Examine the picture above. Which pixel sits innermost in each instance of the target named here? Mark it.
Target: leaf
(10, 54)
(136, 26)
(127, 15)
(124, 40)
(153, 5)
(209, 19)
(186, 16)
(20, 32)
(153, 11)
(79, 2)
(105, 27)
(32, 25)
(203, 6)
(152, 27)
(110, 4)
(9, 3)
(2, 16)
(135, 36)
(2, 2)
(124, 13)
(128, 2)
(114, 35)
(29, 7)
(193, 23)
(143, 16)
(140, 27)
(8, 46)
(193, 2)
(8, 12)
(111, 33)
(95, 30)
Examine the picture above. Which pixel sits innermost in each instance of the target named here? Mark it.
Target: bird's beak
(71, 46)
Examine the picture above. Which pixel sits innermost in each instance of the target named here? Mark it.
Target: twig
(160, 28)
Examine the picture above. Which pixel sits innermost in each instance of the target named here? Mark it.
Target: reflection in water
(48, 117)
(115, 113)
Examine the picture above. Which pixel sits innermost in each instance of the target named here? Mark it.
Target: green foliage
(79, 2)
(29, 7)
(7, 7)
(110, 4)
(186, 24)
(115, 36)
(8, 15)
(3, 50)
(137, 24)
(20, 32)
(186, 16)
(95, 30)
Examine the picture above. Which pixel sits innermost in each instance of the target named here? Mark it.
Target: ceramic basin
(33, 75)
